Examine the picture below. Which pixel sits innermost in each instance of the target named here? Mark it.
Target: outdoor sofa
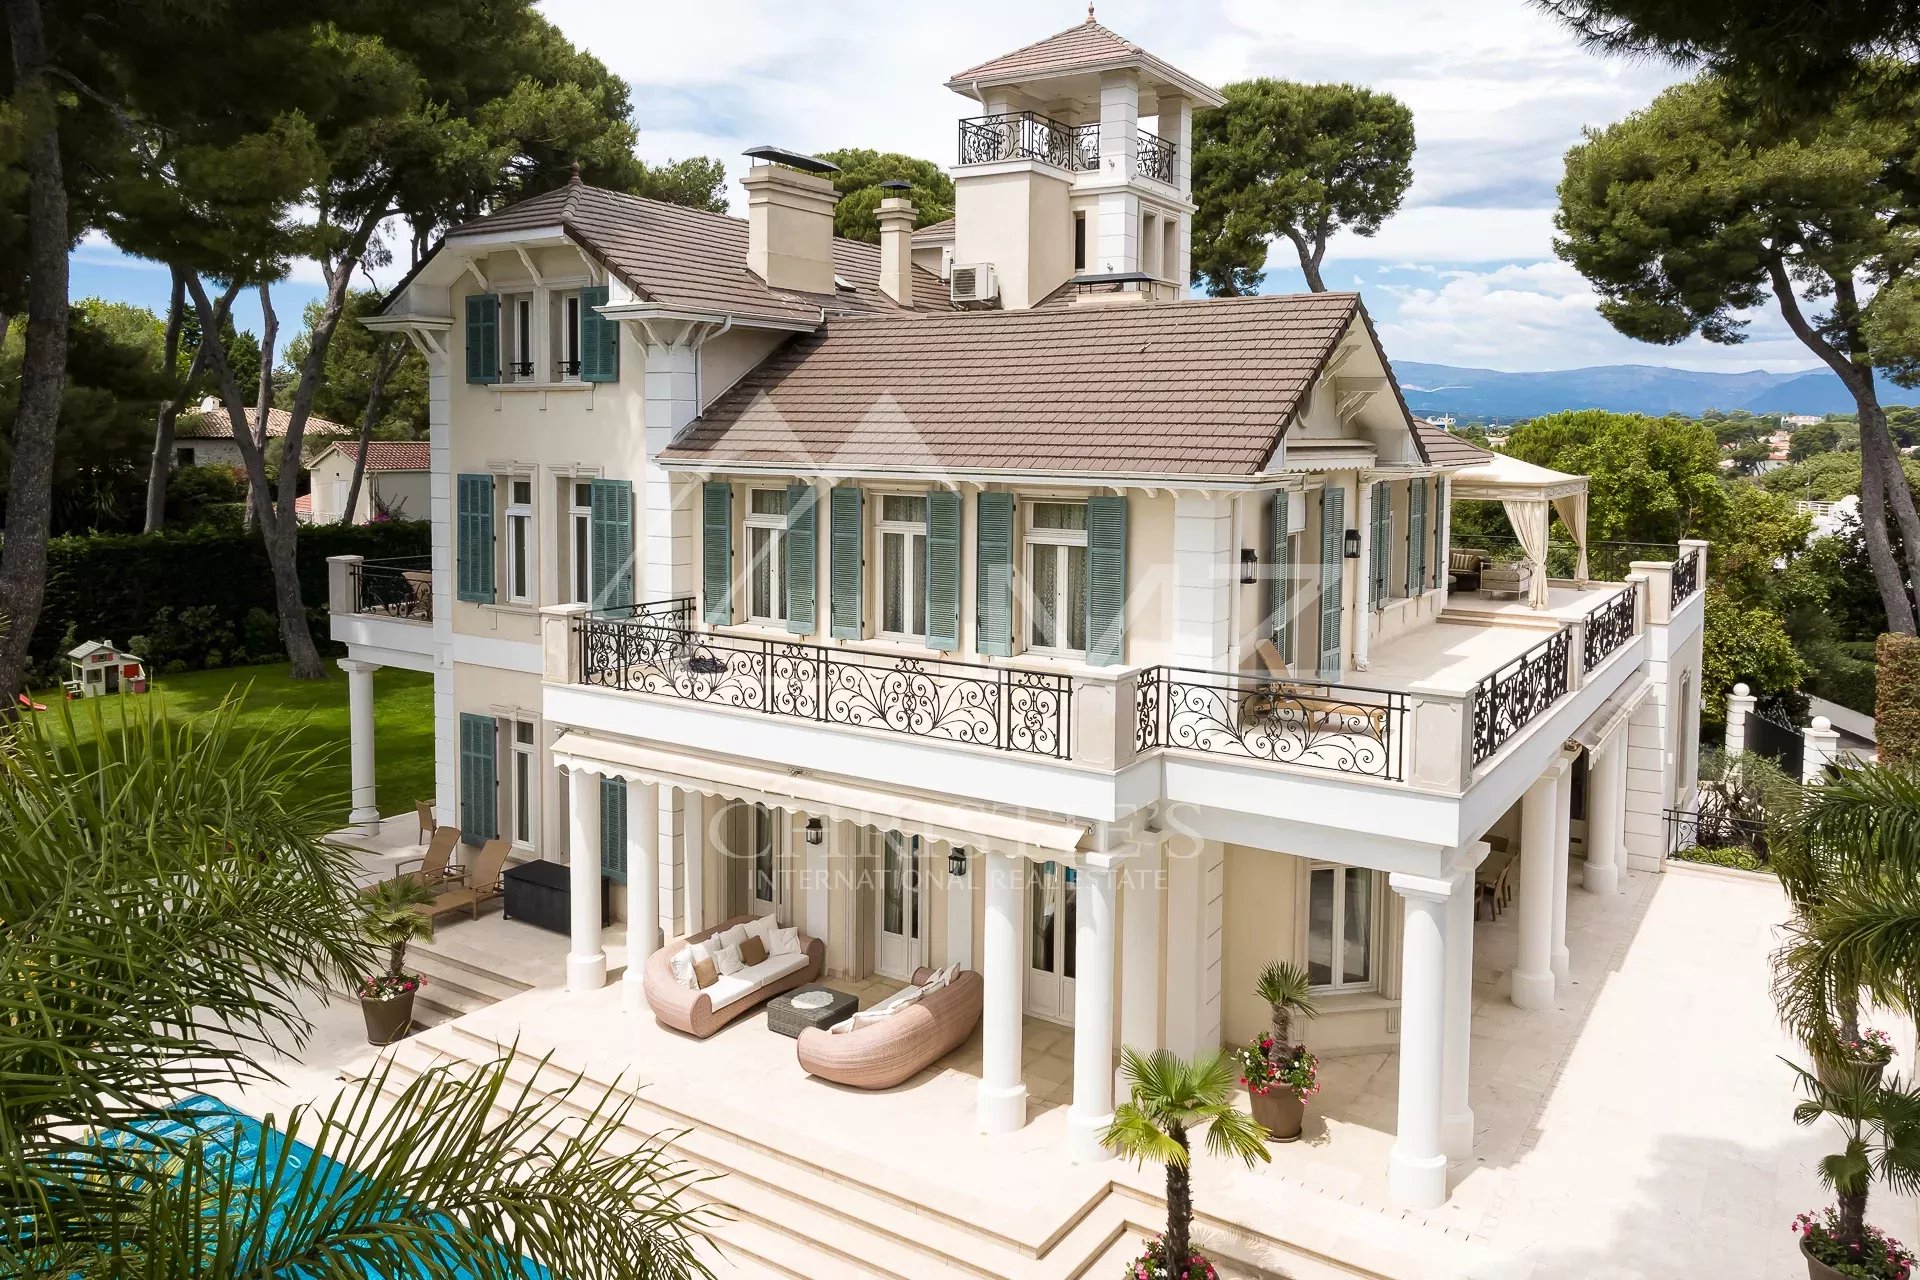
(700, 1012)
(890, 1051)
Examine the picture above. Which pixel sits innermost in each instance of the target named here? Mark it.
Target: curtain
(1572, 511)
(1528, 516)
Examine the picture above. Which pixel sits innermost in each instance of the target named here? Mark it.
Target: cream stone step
(457, 987)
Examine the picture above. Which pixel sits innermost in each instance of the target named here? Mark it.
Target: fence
(1344, 728)
(1710, 829)
(1606, 561)
(1781, 743)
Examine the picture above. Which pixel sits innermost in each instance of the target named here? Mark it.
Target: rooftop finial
(1089, 10)
(574, 180)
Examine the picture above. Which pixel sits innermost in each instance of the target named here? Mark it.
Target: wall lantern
(1353, 544)
(815, 832)
(957, 864)
(1249, 558)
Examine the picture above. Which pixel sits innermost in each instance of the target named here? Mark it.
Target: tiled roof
(690, 258)
(1083, 45)
(935, 231)
(1445, 449)
(214, 424)
(1200, 387)
(389, 455)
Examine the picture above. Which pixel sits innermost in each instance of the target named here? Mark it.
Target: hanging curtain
(1572, 510)
(1528, 516)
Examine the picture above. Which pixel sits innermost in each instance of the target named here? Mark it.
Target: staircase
(455, 987)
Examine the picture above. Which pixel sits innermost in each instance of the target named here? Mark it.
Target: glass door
(1051, 917)
(897, 907)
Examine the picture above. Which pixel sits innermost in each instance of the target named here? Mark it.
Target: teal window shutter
(612, 545)
(1279, 574)
(1106, 581)
(802, 557)
(1417, 537)
(943, 570)
(599, 338)
(1380, 550)
(993, 574)
(846, 561)
(613, 830)
(479, 820)
(473, 522)
(1440, 514)
(1333, 539)
(483, 337)
(716, 553)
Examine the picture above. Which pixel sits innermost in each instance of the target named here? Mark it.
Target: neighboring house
(1043, 620)
(204, 436)
(393, 486)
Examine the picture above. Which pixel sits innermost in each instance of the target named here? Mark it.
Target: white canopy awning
(1532, 495)
(824, 797)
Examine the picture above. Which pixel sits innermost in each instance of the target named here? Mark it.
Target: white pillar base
(1533, 990)
(1083, 1138)
(1562, 962)
(1602, 879)
(633, 989)
(1416, 1182)
(1002, 1110)
(1456, 1135)
(587, 973)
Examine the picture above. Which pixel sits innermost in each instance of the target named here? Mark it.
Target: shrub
(1897, 702)
(1738, 857)
(191, 491)
(222, 517)
(261, 631)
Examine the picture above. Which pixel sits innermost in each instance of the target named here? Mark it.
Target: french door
(1051, 916)
(898, 907)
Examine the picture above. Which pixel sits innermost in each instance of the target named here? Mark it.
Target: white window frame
(1035, 539)
(579, 543)
(520, 540)
(1339, 986)
(524, 782)
(774, 526)
(520, 335)
(914, 590)
(567, 340)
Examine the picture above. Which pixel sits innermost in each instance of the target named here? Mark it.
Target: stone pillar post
(365, 813)
(1562, 850)
(1002, 1105)
(1606, 813)
(1456, 1118)
(1417, 1165)
(1092, 1109)
(1740, 704)
(1822, 749)
(586, 962)
(1533, 967)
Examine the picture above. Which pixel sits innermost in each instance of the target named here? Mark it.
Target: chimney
(896, 215)
(790, 220)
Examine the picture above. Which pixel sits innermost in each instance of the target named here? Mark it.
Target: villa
(980, 598)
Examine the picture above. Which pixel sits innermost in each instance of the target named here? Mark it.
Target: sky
(1464, 274)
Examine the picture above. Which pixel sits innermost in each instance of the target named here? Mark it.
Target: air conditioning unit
(973, 284)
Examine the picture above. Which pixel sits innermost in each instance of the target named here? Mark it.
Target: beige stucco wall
(1020, 221)
(401, 491)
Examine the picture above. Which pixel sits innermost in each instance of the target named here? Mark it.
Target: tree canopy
(1296, 161)
(1649, 479)
(858, 182)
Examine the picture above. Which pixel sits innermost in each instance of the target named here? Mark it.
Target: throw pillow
(681, 966)
(732, 937)
(763, 927)
(841, 1027)
(935, 981)
(752, 951)
(728, 958)
(786, 942)
(705, 973)
(868, 1017)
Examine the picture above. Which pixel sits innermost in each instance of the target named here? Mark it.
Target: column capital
(1467, 859)
(358, 666)
(1422, 888)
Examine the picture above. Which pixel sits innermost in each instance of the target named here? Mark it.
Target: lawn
(308, 714)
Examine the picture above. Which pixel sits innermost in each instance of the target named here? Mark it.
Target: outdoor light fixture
(1353, 544)
(815, 832)
(1248, 559)
(957, 864)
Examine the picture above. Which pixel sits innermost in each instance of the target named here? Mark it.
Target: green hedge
(116, 586)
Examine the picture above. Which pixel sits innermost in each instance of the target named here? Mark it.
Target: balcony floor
(1447, 657)
(1565, 601)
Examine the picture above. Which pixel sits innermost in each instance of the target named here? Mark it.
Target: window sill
(527, 388)
(1337, 1002)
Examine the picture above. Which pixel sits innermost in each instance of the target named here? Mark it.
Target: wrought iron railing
(397, 588)
(1686, 577)
(1506, 701)
(1028, 135)
(1606, 561)
(1337, 727)
(653, 650)
(1690, 831)
(1609, 625)
(1154, 157)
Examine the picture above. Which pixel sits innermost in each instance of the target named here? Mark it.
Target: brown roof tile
(1083, 45)
(212, 423)
(1445, 449)
(390, 455)
(1199, 388)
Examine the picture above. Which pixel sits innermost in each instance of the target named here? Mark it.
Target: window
(518, 310)
(1080, 242)
(526, 812)
(767, 555)
(1057, 577)
(577, 537)
(765, 860)
(1170, 251)
(183, 457)
(1340, 927)
(903, 561)
(520, 540)
(1149, 244)
(566, 337)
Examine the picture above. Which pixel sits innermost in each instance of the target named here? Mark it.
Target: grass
(308, 713)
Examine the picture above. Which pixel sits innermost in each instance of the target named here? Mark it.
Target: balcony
(1028, 135)
(401, 587)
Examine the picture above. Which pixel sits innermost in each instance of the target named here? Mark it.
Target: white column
(643, 891)
(1533, 965)
(1363, 589)
(446, 712)
(1145, 879)
(365, 813)
(586, 962)
(1092, 1109)
(694, 871)
(1417, 1165)
(1456, 1117)
(1003, 1090)
(1740, 704)
(1562, 851)
(1606, 813)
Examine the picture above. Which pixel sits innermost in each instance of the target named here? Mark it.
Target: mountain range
(1495, 396)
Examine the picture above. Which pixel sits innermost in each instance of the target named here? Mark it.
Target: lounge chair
(423, 810)
(431, 870)
(482, 884)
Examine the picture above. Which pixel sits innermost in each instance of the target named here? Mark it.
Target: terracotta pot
(388, 1019)
(1281, 1112)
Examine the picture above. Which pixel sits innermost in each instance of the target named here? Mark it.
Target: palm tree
(168, 906)
(1881, 1124)
(1171, 1097)
(392, 922)
(1288, 993)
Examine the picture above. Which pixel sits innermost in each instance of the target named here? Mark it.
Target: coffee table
(810, 1006)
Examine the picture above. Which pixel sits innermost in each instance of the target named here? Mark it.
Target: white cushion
(732, 937)
(901, 998)
(763, 928)
(934, 982)
(699, 951)
(841, 1027)
(785, 942)
(772, 968)
(680, 965)
(868, 1017)
(728, 958)
(751, 978)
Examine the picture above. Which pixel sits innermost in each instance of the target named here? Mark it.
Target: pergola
(1532, 496)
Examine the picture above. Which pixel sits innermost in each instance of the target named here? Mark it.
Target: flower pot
(387, 1019)
(1281, 1112)
(1818, 1270)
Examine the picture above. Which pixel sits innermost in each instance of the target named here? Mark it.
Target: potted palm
(386, 999)
(1279, 1074)
(1170, 1097)
(1881, 1125)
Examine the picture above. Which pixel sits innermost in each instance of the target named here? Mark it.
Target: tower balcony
(1028, 135)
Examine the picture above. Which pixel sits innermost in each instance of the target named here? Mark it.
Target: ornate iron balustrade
(1154, 157)
(654, 651)
(1340, 728)
(397, 588)
(1609, 625)
(1027, 135)
(1506, 701)
(1686, 577)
